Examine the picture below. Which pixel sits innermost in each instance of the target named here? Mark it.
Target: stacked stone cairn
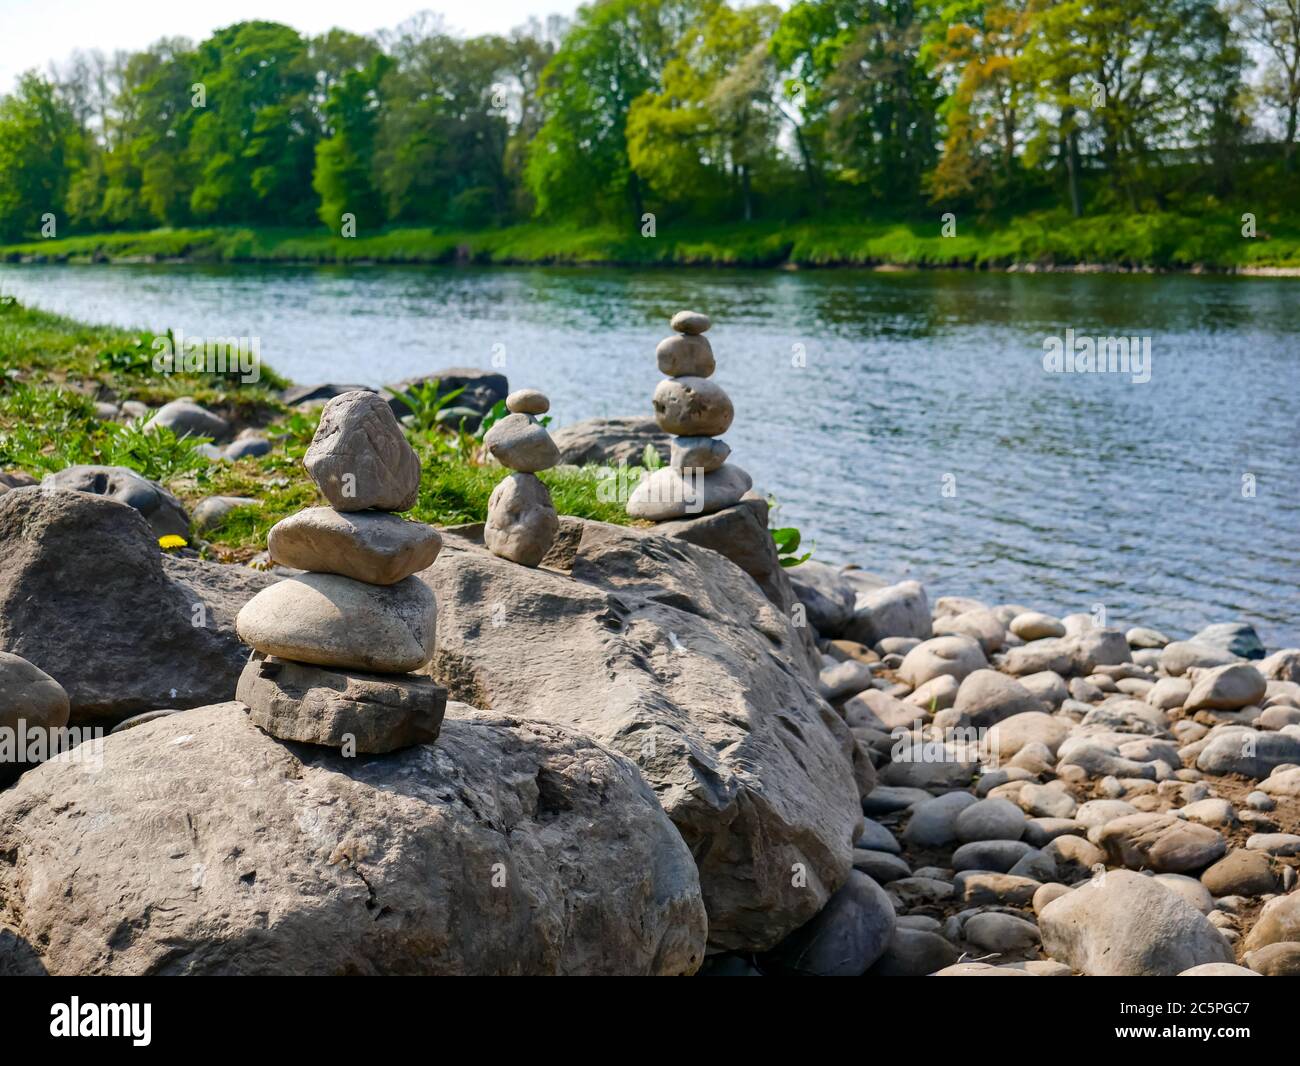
(334, 647)
(698, 479)
(521, 519)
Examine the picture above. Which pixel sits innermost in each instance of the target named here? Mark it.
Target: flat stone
(330, 620)
(1127, 925)
(1274, 843)
(1282, 783)
(1248, 752)
(1032, 625)
(359, 457)
(990, 819)
(521, 519)
(367, 713)
(668, 494)
(956, 656)
(880, 866)
(1278, 922)
(1179, 656)
(184, 417)
(914, 953)
(685, 355)
(692, 407)
(698, 453)
(996, 855)
(520, 442)
(528, 402)
(691, 322)
(978, 887)
(371, 546)
(1001, 933)
(1275, 960)
(875, 837)
(1237, 638)
(1227, 688)
(246, 446)
(1161, 842)
(610, 441)
(987, 697)
(1145, 637)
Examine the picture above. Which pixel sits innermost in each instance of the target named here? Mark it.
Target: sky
(34, 32)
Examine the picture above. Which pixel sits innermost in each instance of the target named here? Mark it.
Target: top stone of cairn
(360, 457)
(527, 402)
(691, 322)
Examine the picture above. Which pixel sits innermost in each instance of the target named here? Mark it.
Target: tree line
(677, 108)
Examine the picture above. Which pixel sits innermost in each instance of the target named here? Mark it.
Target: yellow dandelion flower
(171, 541)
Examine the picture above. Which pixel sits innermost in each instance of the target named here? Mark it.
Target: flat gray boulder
(610, 441)
(204, 846)
(668, 654)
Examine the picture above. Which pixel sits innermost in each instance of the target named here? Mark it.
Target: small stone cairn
(521, 519)
(698, 479)
(334, 647)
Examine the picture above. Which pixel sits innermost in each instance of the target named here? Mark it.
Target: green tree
(615, 51)
(38, 134)
(1273, 26)
(714, 122)
(344, 159)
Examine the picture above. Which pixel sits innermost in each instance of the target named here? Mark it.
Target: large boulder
(203, 846)
(826, 596)
(610, 441)
(163, 511)
(86, 596)
(900, 610)
(1125, 924)
(849, 934)
(740, 533)
(668, 654)
(1236, 638)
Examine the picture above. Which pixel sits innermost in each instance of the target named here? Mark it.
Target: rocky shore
(662, 751)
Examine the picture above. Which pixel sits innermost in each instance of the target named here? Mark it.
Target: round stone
(330, 620)
(698, 453)
(527, 402)
(522, 443)
(692, 322)
(685, 355)
(692, 407)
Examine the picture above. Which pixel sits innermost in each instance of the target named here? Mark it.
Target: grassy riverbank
(1044, 240)
(55, 371)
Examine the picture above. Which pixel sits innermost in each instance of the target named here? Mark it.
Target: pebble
(996, 855)
(670, 494)
(1035, 626)
(184, 417)
(690, 322)
(685, 355)
(212, 511)
(880, 865)
(875, 837)
(1000, 933)
(934, 821)
(1281, 844)
(976, 887)
(528, 402)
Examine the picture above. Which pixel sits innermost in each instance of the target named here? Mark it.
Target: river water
(904, 421)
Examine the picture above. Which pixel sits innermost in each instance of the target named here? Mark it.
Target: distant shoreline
(1109, 244)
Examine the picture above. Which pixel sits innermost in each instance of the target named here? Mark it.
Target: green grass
(1165, 240)
(53, 371)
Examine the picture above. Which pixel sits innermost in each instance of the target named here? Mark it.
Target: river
(904, 421)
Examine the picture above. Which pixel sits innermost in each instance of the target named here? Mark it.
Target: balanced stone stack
(334, 647)
(521, 520)
(698, 479)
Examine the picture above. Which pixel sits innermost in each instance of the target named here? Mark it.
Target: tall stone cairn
(334, 647)
(521, 519)
(698, 479)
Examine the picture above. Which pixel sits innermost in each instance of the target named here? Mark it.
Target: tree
(714, 121)
(615, 51)
(868, 103)
(977, 47)
(344, 159)
(1274, 26)
(37, 131)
